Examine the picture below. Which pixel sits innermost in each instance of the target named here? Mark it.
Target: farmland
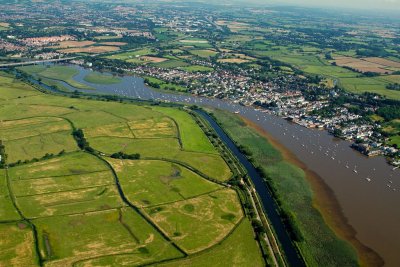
(91, 49)
(63, 206)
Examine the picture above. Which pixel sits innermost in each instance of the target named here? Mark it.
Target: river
(367, 189)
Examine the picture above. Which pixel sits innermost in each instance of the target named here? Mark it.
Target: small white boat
(368, 179)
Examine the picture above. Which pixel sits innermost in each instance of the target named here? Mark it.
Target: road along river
(366, 189)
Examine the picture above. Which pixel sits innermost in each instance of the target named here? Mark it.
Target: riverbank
(324, 200)
(319, 246)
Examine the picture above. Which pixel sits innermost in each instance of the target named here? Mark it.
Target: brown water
(371, 208)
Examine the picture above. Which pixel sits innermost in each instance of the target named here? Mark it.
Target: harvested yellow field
(361, 65)
(90, 49)
(70, 44)
(383, 62)
(233, 60)
(153, 59)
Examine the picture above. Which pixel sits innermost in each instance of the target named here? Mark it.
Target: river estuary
(367, 189)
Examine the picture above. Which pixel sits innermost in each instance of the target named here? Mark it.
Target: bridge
(16, 64)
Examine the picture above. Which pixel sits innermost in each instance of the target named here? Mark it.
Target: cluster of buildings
(279, 96)
(44, 41)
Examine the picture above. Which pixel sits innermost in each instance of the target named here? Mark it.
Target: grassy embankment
(98, 78)
(320, 245)
(51, 75)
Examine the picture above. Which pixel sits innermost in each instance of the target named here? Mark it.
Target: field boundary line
(181, 200)
(60, 176)
(64, 191)
(139, 211)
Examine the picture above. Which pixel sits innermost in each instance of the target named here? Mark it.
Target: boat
(368, 179)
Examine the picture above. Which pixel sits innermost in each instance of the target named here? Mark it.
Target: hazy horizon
(390, 5)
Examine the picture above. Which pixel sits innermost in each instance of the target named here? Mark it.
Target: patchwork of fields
(63, 206)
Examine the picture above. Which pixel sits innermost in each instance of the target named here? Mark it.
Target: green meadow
(63, 206)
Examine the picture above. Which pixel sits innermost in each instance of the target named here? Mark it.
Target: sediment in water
(325, 202)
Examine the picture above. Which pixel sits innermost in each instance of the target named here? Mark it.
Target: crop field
(69, 44)
(132, 54)
(204, 53)
(171, 64)
(197, 68)
(93, 210)
(364, 65)
(233, 60)
(91, 49)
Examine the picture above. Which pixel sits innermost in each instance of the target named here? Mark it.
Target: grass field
(7, 209)
(132, 54)
(154, 82)
(185, 221)
(104, 238)
(98, 78)
(153, 182)
(197, 68)
(17, 245)
(171, 64)
(86, 209)
(239, 249)
(33, 138)
(69, 184)
(61, 73)
(204, 53)
(321, 247)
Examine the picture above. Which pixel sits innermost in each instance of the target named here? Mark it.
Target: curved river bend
(371, 207)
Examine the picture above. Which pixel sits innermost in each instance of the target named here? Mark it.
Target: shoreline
(325, 202)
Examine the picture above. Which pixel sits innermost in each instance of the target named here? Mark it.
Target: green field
(197, 68)
(203, 53)
(34, 137)
(243, 253)
(92, 210)
(132, 54)
(57, 73)
(160, 84)
(17, 245)
(185, 221)
(153, 182)
(7, 210)
(169, 64)
(98, 78)
(320, 247)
